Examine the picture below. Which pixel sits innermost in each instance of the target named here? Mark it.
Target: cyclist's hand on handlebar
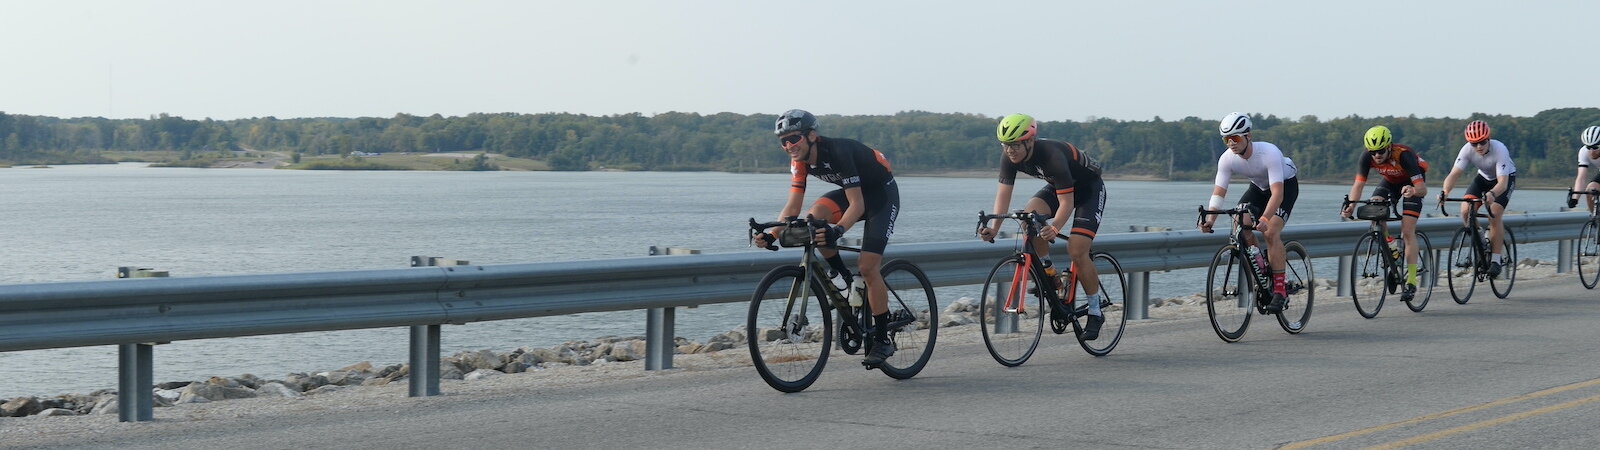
(828, 236)
(1205, 224)
(764, 240)
(1349, 211)
(987, 234)
(1049, 232)
(1572, 201)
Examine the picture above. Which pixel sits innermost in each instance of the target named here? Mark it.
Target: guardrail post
(660, 323)
(136, 367)
(424, 360)
(659, 338)
(1346, 285)
(135, 382)
(1564, 255)
(1138, 306)
(424, 351)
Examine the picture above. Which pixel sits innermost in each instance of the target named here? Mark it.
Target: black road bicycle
(1012, 326)
(1586, 255)
(1468, 262)
(1378, 269)
(790, 335)
(1237, 286)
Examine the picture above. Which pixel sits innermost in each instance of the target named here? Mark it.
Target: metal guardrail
(136, 312)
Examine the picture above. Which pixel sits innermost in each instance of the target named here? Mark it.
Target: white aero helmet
(1235, 124)
(1591, 135)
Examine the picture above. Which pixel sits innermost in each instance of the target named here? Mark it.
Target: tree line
(1543, 146)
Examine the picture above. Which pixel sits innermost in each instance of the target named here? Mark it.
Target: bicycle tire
(1301, 285)
(1229, 297)
(1502, 284)
(1427, 275)
(910, 299)
(788, 349)
(1114, 298)
(1370, 275)
(1011, 336)
(1460, 268)
(1586, 255)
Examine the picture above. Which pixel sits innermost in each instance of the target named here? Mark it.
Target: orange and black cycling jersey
(1055, 162)
(1402, 168)
(844, 162)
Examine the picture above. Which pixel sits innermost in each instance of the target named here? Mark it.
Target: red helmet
(1477, 131)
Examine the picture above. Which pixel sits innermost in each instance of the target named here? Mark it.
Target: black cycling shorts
(883, 207)
(1481, 184)
(1256, 199)
(1088, 205)
(1410, 206)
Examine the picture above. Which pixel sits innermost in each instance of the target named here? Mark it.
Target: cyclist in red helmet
(1495, 181)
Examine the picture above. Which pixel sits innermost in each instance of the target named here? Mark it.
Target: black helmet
(795, 120)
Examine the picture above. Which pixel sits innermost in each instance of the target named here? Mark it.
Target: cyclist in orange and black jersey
(867, 191)
(1073, 190)
(1402, 172)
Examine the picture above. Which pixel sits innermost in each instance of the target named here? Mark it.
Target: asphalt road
(1491, 374)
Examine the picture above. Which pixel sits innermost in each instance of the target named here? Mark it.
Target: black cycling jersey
(1056, 162)
(844, 162)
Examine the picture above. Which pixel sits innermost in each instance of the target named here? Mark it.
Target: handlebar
(1236, 212)
(1488, 212)
(1034, 220)
(811, 225)
(1394, 210)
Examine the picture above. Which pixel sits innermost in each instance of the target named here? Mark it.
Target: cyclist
(1273, 190)
(1495, 181)
(1588, 155)
(867, 191)
(1402, 170)
(1073, 190)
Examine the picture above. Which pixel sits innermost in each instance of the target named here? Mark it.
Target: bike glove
(1572, 202)
(766, 240)
(834, 232)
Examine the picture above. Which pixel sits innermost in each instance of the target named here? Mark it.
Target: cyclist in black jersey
(867, 191)
(1073, 190)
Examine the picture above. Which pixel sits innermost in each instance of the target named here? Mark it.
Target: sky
(1056, 60)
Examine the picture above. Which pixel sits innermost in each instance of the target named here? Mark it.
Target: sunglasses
(791, 139)
(1484, 143)
(1377, 152)
(1013, 146)
(1234, 138)
(1592, 147)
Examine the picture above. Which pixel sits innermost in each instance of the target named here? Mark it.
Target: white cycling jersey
(1583, 158)
(1495, 164)
(1266, 165)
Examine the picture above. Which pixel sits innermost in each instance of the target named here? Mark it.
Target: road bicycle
(1468, 263)
(1238, 283)
(790, 328)
(1587, 252)
(1378, 267)
(1012, 327)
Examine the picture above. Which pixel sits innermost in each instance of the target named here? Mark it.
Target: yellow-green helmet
(1016, 127)
(1378, 138)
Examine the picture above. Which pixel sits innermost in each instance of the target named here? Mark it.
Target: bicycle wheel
(915, 317)
(1301, 285)
(1587, 254)
(1011, 326)
(1460, 267)
(1230, 294)
(1370, 278)
(787, 333)
(1508, 271)
(1427, 273)
(1114, 296)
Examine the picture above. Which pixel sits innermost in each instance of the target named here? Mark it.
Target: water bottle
(1394, 252)
(1260, 262)
(858, 289)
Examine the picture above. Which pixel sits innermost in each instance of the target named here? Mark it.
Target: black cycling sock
(836, 262)
(881, 325)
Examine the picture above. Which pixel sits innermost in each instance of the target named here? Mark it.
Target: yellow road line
(1487, 423)
(1439, 415)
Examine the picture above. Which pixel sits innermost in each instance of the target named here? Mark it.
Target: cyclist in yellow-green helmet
(1402, 172)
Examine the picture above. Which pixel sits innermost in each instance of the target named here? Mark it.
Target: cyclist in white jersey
(1273, 190)
(1588, 156)
(1496, 179)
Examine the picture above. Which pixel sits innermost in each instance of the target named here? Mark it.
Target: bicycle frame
(1238, 239)
(1479, 246)
(1016, 300)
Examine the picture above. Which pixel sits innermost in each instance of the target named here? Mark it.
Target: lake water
(74, 223)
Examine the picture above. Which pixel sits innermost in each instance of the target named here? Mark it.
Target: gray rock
(628, 350)
(249, 381)
(277, 389)
(107, 404)
(211, 391)
(481, 359)
(449, 371)
(389, 370)
(173, 384)
(401, 371)
(57, 412)
(324, 390)
(170, 395)
(223, 382)
(364, 366)
(303, 382)
(20, 407)
(481, 374)
(345, 378)
(691, 347)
